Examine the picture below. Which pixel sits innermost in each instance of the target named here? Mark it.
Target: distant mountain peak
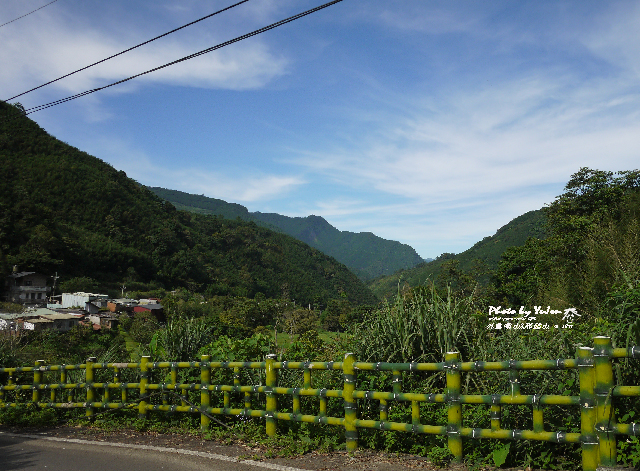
(364, 253)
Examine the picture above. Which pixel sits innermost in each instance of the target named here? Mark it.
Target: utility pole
(53, 290)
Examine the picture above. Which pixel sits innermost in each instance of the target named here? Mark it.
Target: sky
(432, 123)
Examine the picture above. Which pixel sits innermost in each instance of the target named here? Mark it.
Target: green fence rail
(100, 386)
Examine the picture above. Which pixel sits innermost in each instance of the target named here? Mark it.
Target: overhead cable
(191, 56)
(130, 49)
(16, 19)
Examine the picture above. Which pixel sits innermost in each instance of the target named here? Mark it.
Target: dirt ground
(365, 460)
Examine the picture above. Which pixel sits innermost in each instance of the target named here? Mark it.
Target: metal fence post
(64, 380)
(88, 379)
(272, 400)
(454, 408)
(174, 381)
(350, 406)
(605, 418)
(117, 379)
(37, 380)
(205, 394)
(144, 380)
(587, 410)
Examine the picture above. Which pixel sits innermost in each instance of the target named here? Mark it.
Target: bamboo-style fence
(598, 425)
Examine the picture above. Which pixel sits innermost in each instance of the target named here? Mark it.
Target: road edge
(212, 456)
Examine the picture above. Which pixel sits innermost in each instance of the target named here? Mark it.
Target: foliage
(254, 348)
(79, 284)
(500, 455)
(180, 340)
(11, 307)
(143, 327)
(419, 326)
(8, 349)
(71, 347)
(594, 243)
(299, 321)
(308, 346)
(28, 416)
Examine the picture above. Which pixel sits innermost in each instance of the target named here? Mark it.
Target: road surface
(29, 452)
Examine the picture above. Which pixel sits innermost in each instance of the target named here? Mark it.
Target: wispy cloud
(615, 38)
(39, 52)
(478, 157)
(232, 186)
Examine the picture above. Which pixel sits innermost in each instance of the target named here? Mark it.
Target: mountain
(364, 253)
(485, 253)
(63, 210)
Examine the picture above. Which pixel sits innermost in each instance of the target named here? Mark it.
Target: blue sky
(429, 122)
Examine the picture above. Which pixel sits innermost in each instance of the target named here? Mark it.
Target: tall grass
(419, 326)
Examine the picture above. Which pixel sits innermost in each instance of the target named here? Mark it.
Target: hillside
(63, 210)
(364, 253)
(487, 252)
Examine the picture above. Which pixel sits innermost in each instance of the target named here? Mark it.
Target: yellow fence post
(64, 379)
(88, 379)
(37, 381)
(272, 400)
(605, 417)
(144, 380)
(589, 439)
(205, 394)
(454, 408)
(350, 406)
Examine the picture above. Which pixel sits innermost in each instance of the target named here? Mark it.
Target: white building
(88, 301)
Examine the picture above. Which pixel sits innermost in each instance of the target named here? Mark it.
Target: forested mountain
(364, 253)
(63, 210)
(590, 258)
(479, 259)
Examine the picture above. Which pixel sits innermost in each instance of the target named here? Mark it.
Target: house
(149, 301)
(28, 288)
(122, 305)
(39, 319)
(12, 322)
(156, 309)
(90, 302)
(48, 319)
(104, 321)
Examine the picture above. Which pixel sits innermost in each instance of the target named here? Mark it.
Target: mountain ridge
(483, 255)
(366, 254)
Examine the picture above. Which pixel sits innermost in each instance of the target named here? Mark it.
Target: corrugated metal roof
(18, 315)
(151, 307)
(21, 274)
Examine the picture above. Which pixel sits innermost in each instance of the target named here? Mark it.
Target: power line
(54, 1)
(205, 51)
(130, 49)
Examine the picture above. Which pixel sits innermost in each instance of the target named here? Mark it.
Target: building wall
(28, 289)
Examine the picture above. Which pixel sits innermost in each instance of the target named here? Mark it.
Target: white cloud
(41, 51)
(431, 18)
(517, 134)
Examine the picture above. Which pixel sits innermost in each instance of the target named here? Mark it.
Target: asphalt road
(21, 452)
